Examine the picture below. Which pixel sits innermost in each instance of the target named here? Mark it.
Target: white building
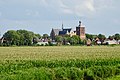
(42, 43)
(111, 42)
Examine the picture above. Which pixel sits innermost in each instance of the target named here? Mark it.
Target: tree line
(20, 38)
(29, 38)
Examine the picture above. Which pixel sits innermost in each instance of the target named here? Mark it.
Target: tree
(111, 37)
(89, 36)
(12, 37)
(75, 40)
(66, 39)
(36, 38)
(117, 36)
(59, 39)
(20, 37)
(26, 37)
(102, 38)
(45, 36)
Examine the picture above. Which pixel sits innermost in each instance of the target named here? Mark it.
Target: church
(80, 31)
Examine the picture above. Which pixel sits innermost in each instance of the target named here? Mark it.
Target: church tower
(80, 31)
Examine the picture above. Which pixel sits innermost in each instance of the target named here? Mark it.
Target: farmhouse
(80, 31)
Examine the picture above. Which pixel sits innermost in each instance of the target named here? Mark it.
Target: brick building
(80, 31)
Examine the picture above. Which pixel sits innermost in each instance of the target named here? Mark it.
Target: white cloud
(77, 7)
(74, 7)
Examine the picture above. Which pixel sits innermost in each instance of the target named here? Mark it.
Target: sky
(40, 16)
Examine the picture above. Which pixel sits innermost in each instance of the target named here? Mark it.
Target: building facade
(80, 31)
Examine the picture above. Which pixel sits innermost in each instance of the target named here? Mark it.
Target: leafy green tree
(66, 39)
(38, 35)
(12, 38)
(117, 36)
(36, 38)
(102, 38)
(111, 37)
(89, 36)
(59, 39)
(45, 36)
(26, 37)
(19, 37)
(75, 40)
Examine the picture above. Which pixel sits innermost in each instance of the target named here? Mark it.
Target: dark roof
(69, 29)
(56, 31)
(62, 32)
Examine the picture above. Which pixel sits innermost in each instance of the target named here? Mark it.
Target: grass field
(60, 63)
(59, 53)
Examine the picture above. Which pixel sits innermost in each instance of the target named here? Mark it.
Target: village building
(89, 42)
(110, 42)
(80, 31)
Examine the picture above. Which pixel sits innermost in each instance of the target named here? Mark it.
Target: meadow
(59, 63)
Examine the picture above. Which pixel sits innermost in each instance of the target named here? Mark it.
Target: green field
(59, 53)
(59, 63)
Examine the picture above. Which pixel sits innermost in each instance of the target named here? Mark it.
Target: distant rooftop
(56, 31)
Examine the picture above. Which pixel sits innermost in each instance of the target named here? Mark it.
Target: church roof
(56, 31)
(67, 29)
(62, 32)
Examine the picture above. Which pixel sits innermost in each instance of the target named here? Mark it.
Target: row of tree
(28, 38)
(20, 38)
(103, 37)
(74, 40)
(67, 40)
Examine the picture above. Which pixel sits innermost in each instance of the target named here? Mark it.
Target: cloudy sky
(40, 16)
